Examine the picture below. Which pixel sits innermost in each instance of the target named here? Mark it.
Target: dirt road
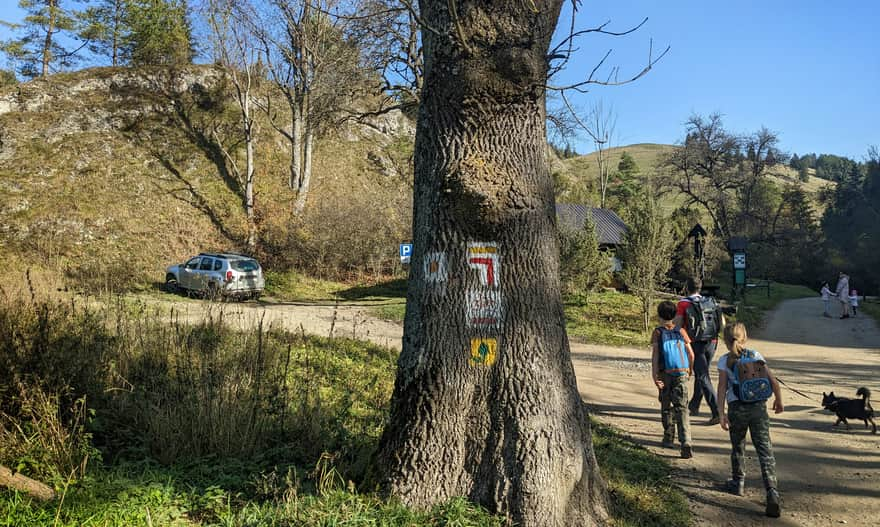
(826, 476)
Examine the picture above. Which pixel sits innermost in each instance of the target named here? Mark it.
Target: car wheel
(171, 285)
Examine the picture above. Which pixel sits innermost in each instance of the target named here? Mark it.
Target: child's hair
(735, 337)
(666, 310)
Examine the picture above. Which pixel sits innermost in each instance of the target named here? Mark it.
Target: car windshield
(245, 265)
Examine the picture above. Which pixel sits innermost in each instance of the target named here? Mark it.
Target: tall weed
(163, 387)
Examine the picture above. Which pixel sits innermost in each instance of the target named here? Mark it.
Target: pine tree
(625, 182)
(582, 266)
(104, 26)
(38, 52)
(160, 32)
(646, 252)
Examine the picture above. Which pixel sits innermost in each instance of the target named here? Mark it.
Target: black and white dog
(847, 408)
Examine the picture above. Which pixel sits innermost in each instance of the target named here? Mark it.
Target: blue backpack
(675, 357)
(751, 381)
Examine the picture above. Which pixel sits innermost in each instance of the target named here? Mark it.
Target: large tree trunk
(486, 403)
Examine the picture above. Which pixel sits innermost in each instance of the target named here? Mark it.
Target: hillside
(107, 175)
(648, 157)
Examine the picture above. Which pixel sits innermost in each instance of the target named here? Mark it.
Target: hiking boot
(694, 413)
(668, 443)
(736, 487)
(773, 506)
(714, 421)
(687, 451)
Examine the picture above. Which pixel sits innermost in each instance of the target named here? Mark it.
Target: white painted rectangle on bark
(435, 267)
(484, 308)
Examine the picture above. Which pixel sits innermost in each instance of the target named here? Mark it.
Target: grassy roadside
(386, 300)
(871, 309)
(757, 303)
(606, 317)
(642, 494)
(203, 425)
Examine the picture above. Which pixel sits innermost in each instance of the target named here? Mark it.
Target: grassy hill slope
(583, 170)
(108, 175)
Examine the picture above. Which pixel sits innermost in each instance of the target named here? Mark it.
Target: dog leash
(793, 389)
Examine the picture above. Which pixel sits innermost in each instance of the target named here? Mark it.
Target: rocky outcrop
(109, 84)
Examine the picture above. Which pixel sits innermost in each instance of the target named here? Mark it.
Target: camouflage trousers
(674, 409)
(751, 418)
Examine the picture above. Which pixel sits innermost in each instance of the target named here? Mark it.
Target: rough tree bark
(486, 403)
(22, 483)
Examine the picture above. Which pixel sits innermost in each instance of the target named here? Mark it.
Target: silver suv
(217, 275)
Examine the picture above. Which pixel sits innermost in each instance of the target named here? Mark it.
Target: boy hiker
(702, 319)
(672, 362)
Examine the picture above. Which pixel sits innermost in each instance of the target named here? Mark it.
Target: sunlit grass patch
(290, 286)
(639, 483)
(608, 317)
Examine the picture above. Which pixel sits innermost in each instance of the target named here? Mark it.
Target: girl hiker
(745, 383)
(854, 301)
(826, 299)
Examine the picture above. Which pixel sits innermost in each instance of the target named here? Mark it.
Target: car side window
(207, 263)
(193, 264)
(218, 264)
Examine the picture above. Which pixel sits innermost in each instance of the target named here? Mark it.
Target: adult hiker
(842, 291)
(702, 319)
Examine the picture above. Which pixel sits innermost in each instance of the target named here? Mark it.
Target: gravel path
(827, 476)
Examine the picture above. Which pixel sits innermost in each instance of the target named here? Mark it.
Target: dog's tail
(864, 393)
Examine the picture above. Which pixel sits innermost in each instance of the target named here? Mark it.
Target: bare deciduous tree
(388, 31)
(600, 125)
(725, 174)
(237, 52)
(314, 68)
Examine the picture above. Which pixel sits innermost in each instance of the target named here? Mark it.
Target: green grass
(174, 409)
(608, 317)
(152, 495)
(291, 286)
(639, 483)
(388, 296)
(871, 309)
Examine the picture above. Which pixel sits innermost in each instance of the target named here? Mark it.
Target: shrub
(582, 266)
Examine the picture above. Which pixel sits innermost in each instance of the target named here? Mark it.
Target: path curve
(827, 477)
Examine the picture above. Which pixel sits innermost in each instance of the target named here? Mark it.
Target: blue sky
(808, 70)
